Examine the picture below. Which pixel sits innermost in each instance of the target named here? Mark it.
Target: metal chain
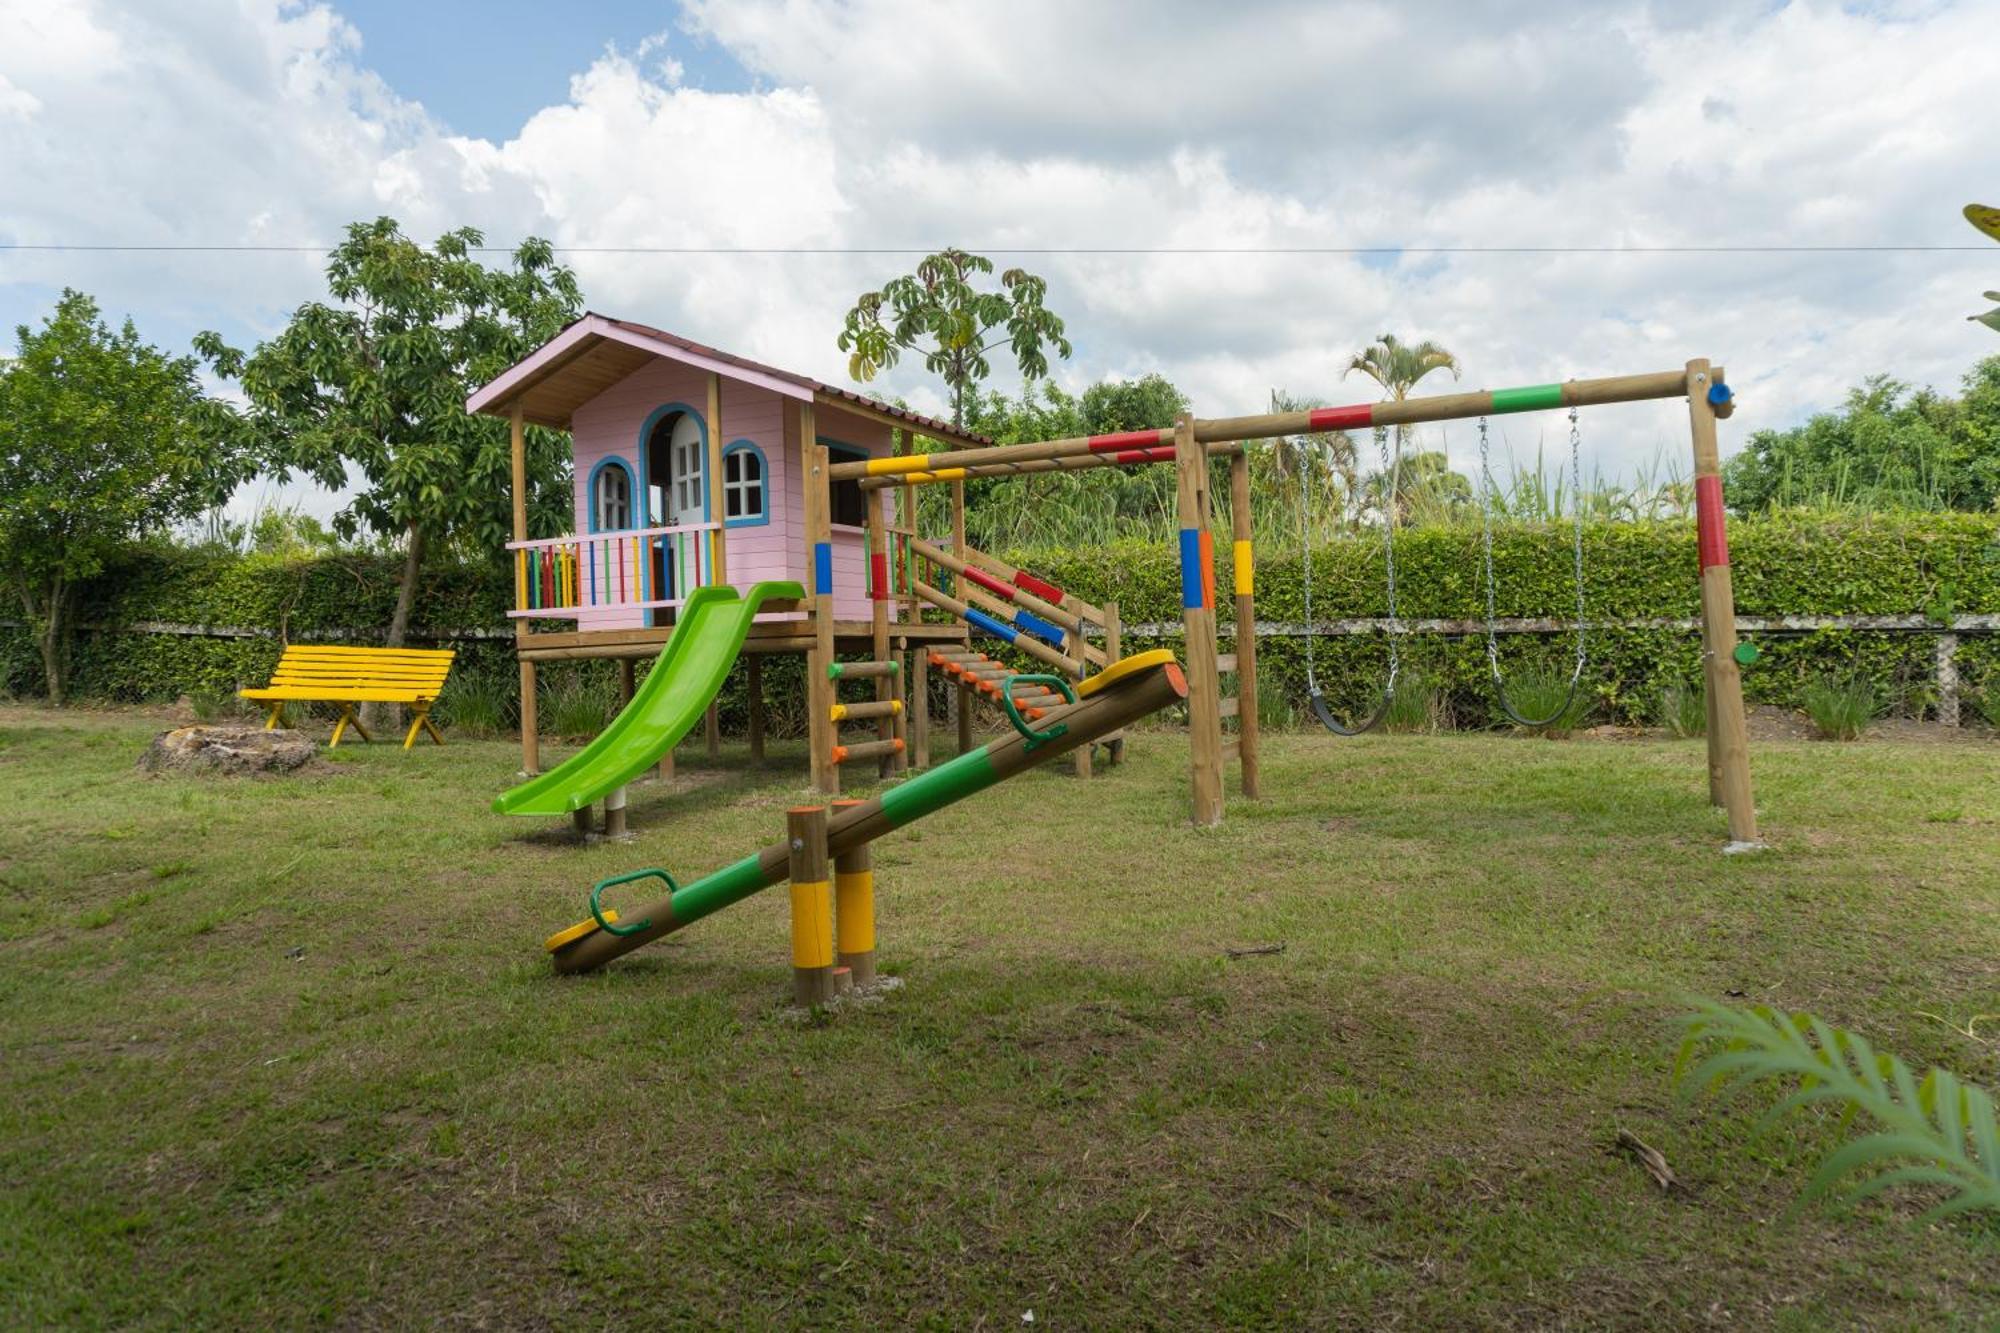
(1392, 472)
(1576, 513)
(1486, 547)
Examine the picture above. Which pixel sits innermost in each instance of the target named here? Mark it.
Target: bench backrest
(315, 666)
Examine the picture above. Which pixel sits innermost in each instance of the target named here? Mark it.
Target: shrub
(1417, 705)
(579, 705)
(477, 704)
(1840, 709)
(1683, 710)
(1987, 704)
(1540, 693)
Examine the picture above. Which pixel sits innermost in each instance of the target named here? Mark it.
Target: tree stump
(227, 750)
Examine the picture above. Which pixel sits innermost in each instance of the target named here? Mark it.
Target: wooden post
(854, 910)
(1197, 561)
(819, 560)
(627, 669)
(1073, 644)
(966, 699)
(517, 446)
(1243, 565)
(1728, 733)
(712, 724)
(962, 699)
(717, 513)
(878, 622)
(812, 906)
(754, 684)
(614, 815)
(531, 722)
(919, 708)
(1114, 648)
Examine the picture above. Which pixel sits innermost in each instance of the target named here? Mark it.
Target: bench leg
(420, 720)
(277, 715)
(347, 719)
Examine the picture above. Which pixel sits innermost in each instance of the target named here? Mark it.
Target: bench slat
(370, 657)
(362, 695)
(345, 672)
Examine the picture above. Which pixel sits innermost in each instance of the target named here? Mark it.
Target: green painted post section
(964, 776)
(1531, 398)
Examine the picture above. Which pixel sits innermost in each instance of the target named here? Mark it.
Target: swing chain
(1392, 474)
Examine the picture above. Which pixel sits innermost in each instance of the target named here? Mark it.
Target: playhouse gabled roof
(593, 353)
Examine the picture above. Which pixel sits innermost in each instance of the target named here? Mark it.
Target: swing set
(1709, 399)
(1391, 471)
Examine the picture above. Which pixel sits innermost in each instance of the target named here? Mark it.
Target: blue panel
(823, 568)
(980, 620)
(1038, 627)
(1191, 581)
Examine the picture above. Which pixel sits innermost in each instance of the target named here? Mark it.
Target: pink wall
(611, 423)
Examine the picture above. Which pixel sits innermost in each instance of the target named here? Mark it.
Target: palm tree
(1397, 366)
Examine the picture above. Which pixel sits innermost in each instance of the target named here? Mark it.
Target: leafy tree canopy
(941, 312)
(375, 381)
(1887, 447)
(103, 439)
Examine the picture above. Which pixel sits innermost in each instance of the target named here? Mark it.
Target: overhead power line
(1220, 250)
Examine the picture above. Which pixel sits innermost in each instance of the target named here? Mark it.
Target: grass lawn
(287, 1052)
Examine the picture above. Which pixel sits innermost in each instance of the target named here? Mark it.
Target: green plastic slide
(678, 690)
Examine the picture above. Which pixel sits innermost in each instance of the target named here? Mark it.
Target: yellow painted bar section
(854, 891)
(1245, 574)
(889, 467)
(812, 924)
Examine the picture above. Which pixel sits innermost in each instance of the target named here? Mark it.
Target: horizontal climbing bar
(866, 750)
(1081, 462)
(973, 616)
(872, 708)
(861, 670)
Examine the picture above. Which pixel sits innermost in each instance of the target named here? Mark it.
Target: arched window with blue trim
(611, 496)
(745, 486)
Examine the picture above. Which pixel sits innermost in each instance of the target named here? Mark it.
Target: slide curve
(707, 636)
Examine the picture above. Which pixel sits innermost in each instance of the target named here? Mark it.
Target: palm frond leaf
(1939, 1132)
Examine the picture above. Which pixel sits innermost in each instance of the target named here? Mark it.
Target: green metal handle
(1746, 653)
(597, 892)
(1029, 734)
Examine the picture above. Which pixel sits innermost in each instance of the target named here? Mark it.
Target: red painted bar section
(988, 582)
(1713, 536)
(1124, 439)
(878, 576)
(1048, 592)
(1342, 418)
(1162, 454)
(1208, 569)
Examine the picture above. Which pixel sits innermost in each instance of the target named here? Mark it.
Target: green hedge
(1941, 565)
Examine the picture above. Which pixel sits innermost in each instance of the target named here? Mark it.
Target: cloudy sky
(1133, 143)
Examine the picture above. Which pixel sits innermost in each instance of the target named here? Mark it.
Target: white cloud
(1038, 124)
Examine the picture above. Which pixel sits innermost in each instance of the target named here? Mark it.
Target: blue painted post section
(980, 620)
(823, 569)
(1191, 581)
(1038, 627)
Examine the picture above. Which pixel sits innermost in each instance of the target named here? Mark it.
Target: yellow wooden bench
(349, 676)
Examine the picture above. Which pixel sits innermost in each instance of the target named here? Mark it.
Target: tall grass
(477, 704)
(1840, 710)
(579, 705)
(1683, 710)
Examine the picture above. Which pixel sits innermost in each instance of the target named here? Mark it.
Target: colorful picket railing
(566, 577)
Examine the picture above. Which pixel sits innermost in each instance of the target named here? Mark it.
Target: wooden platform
(852, 637)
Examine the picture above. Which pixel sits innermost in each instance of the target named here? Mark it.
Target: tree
(1888, 447)
(376, 383)
(103, 439)
(939, 312)
(1397, 366)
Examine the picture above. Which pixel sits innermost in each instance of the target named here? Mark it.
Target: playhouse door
(679, 497)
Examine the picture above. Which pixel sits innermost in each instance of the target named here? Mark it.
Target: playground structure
(855, 588)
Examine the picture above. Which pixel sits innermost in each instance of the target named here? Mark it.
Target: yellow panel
(1123, 667)
(571, 934)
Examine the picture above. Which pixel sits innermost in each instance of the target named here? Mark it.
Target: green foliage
(1683, 710)
(939, 312)
(1939, 1133)
(478, 703)
(373, 387)
(1416, 706)
(103, 439)
(1888, 447)
(579, 702)
(1542, 692)
(1840, 707)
